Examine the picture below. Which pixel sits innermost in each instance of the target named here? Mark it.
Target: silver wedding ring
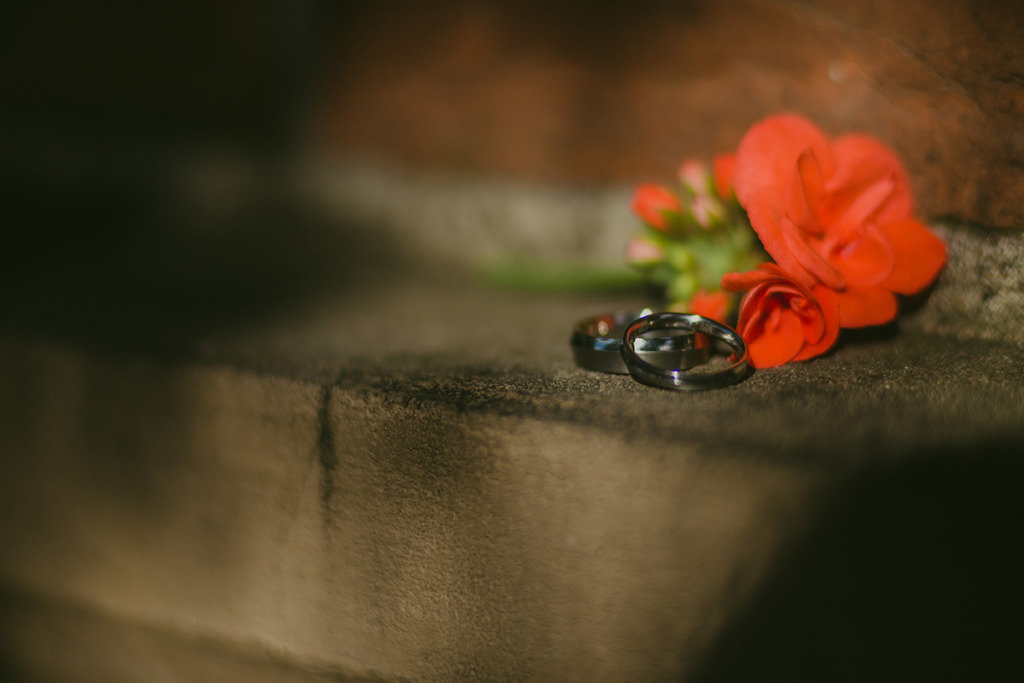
(597, 342)
(677, 378)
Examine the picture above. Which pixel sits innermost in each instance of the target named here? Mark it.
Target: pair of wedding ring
(658, 349)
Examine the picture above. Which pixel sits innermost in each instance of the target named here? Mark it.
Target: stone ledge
(431, 496)
(347, 528)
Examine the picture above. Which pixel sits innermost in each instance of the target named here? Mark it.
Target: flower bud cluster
(694, 233)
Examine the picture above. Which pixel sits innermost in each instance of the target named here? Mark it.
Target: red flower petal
(861, 306)
(804, 191)
(918, 256)
(864, 207)
(866, 260)
(752, 312)
(714, 305)
(778, 340)
(783, 321)
(768, 153)
(765, 161)
(810, 319)
(860, 162)
(806, 259)
(741, 282)
(828, 305)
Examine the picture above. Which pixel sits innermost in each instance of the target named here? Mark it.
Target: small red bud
(652, 202)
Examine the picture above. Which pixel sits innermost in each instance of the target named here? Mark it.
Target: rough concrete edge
(449, 218)
(981, 291)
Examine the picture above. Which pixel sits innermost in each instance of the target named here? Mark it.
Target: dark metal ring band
(677, 378)
(596, 342)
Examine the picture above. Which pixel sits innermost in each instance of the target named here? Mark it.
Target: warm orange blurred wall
(621, 91)
(550, 90)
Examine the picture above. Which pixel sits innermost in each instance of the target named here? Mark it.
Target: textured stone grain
(438, 493)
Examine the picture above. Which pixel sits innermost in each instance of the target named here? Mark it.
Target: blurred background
(198, 158)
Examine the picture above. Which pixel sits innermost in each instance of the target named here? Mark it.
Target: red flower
(714, 305)
(838, 213)
(723, 168)
(782, 320)
(652, 202)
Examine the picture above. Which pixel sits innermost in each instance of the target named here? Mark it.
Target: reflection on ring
(596, 344)
(677, 378)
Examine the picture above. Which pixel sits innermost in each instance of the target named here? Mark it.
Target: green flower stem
(558, 276)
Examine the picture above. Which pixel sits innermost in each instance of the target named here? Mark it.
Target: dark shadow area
(913, 573)
(163, 278)
(166, 74)
(144, 163)
(867, 335)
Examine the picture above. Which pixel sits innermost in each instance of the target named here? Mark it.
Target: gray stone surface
(410, 479)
